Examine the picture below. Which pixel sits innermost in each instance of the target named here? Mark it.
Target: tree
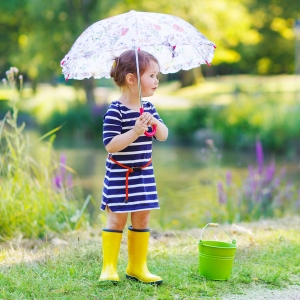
(47, 32)
(274, 21)
(11, 22)
(226, 23)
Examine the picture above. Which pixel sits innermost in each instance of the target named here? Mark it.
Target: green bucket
(216, 258)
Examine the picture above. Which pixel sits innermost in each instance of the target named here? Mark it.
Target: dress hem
(133, 210)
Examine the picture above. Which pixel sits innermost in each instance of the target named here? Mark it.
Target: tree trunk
(88, 85)
(191, 77)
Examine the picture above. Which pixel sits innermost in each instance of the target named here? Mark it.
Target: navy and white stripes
(141, 185)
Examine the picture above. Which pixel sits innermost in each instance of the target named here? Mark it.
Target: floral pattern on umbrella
(174, 42)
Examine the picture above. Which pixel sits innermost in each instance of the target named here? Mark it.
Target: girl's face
(149, 80)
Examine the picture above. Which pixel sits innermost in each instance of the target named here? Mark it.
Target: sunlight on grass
(267, 256)
(49, 99)
(231, 85)
(220, 90)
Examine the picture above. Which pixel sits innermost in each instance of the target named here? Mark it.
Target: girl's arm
(121, 141)
(161, 131)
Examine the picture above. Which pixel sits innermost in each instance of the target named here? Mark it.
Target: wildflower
(63, 161)
(228, 178)
(69, 181)
(270, 172)
(21, 81)
(14, 69)
(221, 194)
(57, 181)
(260, 157)
(62, 179)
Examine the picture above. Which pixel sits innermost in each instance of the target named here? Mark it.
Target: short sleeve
(112, 123)
(151, 108)
(156, 115)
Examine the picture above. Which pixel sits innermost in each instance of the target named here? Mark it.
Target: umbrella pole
(148, 134)
(139, 79)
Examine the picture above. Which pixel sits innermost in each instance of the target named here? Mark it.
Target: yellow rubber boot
(111, 241)
(137, 254)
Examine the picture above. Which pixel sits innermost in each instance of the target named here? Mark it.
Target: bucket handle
(216, 225)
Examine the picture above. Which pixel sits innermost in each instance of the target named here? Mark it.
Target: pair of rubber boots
(137, 256)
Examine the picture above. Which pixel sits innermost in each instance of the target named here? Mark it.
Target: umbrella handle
(150, 134)
(146, 133)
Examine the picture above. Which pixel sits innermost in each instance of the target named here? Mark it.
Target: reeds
(30, 204)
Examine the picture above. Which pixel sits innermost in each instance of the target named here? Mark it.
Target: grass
(41, 270)
(225, 89)
(32, 202)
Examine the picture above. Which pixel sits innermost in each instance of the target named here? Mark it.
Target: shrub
(188, 123)
(79, 120)
(276, 124)
(30, 202)
(264, 193)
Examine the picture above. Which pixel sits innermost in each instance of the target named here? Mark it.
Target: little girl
(129, 183)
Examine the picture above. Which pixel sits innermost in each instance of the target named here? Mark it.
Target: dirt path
(262, 293)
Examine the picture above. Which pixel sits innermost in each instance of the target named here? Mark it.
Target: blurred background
(233, 150)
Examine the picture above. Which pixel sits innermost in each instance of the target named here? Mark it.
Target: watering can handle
(146, 133)
(217, 225)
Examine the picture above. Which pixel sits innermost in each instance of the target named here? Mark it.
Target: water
(186, 180)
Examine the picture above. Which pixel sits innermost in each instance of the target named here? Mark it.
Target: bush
(264, 193)
(183, 124)
(242, 122)
(31, 201)
(79, 120)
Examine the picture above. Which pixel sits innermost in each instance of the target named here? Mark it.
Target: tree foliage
(252, 36)
(274, 21)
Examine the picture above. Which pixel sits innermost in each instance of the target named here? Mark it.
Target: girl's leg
(140, 219)
(138, 237)
(111, 241)
(116, 221)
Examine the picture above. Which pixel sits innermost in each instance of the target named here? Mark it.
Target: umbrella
(174, 42)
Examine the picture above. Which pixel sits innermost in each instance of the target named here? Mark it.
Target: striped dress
(142, 194)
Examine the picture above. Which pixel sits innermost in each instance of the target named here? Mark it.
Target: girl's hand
(139, 126)
(147, 119)
(143, 122)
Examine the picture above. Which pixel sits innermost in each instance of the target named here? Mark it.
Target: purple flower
(62, 179)
(270, 172)
(69, 181)
(57, 181)
(259, 157)
(63, 162)
(228, 178)
(98, 110)
(252, 180)
(221, 194)
(251, 172)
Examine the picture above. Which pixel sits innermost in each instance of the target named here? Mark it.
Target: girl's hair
(126, 63)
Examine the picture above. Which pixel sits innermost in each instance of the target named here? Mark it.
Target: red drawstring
(130, 170)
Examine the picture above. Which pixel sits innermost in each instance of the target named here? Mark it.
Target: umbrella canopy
(174, 42)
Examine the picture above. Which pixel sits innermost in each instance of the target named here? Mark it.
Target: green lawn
(268, 258)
